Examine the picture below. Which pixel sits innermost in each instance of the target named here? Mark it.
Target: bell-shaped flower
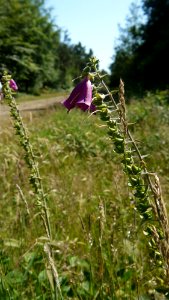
(13, 85)
(1, 96)
(81, 96)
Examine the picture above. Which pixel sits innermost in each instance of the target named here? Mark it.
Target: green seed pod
(119, 148)
(149, 230)
(99, 96)
(145, 233)
(104, 110)
(119, 140)
(104, 117)
(118, 135)
(139, 194)
(128, 153)
(148, 214)
(112, 123)
(104, 114)
(112, 133)
(135, 169)
(97, 102)
(142, 207)
(112, 130)
(153, 243)
(128, 160)
(102, 106)
(157, 254)
(129, 169)
(134, 181)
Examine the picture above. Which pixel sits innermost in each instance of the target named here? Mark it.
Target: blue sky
(92, 22)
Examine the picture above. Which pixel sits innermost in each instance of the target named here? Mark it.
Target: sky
(94, 23)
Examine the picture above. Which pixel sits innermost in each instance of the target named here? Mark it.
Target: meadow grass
(98, 243)
(45, 94)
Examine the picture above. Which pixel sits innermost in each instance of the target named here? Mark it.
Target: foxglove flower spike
(81, 96)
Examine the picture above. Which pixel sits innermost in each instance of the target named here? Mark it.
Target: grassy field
(46, 94)
(99, 248)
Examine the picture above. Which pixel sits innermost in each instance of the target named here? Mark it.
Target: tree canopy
(32, 49)
(141, 57)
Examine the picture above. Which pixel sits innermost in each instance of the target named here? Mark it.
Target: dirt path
(34, 105)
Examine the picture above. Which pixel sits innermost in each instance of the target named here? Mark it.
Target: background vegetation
(32, 49)
(87, 191)
(99, 249)
(141, 57)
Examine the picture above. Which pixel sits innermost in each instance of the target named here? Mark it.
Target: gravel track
(34, 105)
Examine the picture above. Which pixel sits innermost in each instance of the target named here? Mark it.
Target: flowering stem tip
(81, 96)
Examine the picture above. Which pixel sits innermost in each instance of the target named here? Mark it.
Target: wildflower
(1, 94)
(81, 96)
(13, 85)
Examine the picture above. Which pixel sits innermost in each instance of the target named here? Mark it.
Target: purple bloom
(1, 96)
(13, 85)
(81, 96)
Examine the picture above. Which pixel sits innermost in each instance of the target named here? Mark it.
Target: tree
(155, 47)
(28, 42)
(72, 58)
(129, 41)
(141, 58)
(32, 49)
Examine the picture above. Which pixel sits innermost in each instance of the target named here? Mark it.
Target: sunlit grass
(79, 170)
(43, 95)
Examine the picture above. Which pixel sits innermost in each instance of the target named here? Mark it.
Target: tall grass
(97, 234)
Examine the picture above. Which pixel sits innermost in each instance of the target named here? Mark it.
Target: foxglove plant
(144, 186)
(81, 96)
(8, 88)
(12, 85)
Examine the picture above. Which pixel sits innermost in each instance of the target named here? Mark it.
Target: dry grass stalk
(102, 219)
(47, 250)
(159, 207)
(163, 219)
(24, 199)
(122, 110)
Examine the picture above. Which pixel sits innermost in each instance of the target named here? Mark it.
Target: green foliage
(129, 40)
(141, 57)
(156, 45)
(31, 47)
(98, 243)
(142, 188)
(28, 43)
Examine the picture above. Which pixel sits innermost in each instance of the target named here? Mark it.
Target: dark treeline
(32, 49)
(142, 53)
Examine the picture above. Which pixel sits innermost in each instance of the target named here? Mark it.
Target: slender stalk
(41, 197)
(128, 133)
(153, 214)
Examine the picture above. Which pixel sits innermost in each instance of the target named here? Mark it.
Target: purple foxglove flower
(81, 96)
(1, 96)
(13, 85)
